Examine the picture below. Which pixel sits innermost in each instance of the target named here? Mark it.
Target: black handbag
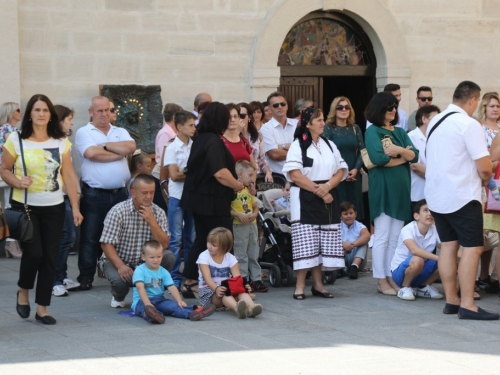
(19, 221)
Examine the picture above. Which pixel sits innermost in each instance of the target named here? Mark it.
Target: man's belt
(111, 191)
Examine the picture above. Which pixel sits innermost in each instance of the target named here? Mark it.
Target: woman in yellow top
(48, 167)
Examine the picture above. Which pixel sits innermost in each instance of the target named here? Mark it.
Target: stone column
(10, 79)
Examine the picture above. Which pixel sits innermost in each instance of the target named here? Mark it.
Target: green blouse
(388, 187)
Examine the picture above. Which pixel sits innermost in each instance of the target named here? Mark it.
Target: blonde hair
(6, 111)
(136, 159)
(222, 238)
(243, 165)
(332, 117)
(152, 244)
(484, 102)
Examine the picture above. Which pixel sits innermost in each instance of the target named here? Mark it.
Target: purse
(234, 285)
(386, 141)
(19, 221)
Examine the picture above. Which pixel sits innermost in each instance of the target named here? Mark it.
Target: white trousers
(385, 240)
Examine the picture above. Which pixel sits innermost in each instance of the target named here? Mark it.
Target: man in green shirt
(424, 98)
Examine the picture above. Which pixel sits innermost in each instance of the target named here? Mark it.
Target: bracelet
(330, 186)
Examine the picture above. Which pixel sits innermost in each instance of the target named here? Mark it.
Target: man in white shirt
(278, 132)
(103, 149)
(417, 136)
(424, 99)
(457, 163)
(395, 89)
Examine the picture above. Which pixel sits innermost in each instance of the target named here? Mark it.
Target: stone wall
(67, 48)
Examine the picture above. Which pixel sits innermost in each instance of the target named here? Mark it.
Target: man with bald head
(103, 149)
(202, 97)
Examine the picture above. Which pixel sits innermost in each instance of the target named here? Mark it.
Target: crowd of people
(196, 210)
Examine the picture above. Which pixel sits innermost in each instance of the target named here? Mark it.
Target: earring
(30, 118)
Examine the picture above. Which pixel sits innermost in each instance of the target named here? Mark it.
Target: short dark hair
(346, 206)
(150, 244)
(257, 105)
(275, 94)
(375, 110)
(62, 113)
(466, 90)
(215, 119)
(265, 104)
(234, 106)
(202, 106)
(425, 112)
(391, 87)
(54, 129)
(182, 117)
(417, 206)
(145, 178)
(423, 88)
(170, 110)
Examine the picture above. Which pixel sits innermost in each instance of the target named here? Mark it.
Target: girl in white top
(216, 264)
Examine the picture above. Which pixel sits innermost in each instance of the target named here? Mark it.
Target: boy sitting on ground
(355, 238)
(414, 264)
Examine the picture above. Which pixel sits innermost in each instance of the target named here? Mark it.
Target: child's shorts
(398, 274)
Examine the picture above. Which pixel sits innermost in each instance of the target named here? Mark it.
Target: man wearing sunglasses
(395, 89)
(278, 132)
(424, 99)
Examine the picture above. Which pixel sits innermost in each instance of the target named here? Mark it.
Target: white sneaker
(70, 284)
(59, 291)
(406, 293)
(495, 194)
(115, 303)
(429, 292)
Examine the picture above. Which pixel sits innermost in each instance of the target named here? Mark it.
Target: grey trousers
(120, 288)
(246, 250)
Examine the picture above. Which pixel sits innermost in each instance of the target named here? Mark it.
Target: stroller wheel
(274, 275)
(287, 277)
(330, 277)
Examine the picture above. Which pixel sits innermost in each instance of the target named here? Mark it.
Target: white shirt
(218, 271)
(177, 153)
(402, 122)
(418, 183)
(110, 175)
(452, 179)
(411, 232)
(274, 134)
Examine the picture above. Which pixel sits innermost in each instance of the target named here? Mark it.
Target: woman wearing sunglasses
(10, 115)
(341, 129)
(389, 184)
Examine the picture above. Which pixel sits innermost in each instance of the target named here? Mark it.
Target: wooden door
(301, 87)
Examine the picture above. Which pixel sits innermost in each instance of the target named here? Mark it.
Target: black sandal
(317, 293)
(188, 293)
(300, 297)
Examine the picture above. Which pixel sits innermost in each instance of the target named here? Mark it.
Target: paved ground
(358, 332)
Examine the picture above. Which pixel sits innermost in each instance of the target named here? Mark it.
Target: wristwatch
(185, 170)
(283, 146)
(104, 146)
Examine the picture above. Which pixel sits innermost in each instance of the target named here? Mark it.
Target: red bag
(492, 206)
(234, 285)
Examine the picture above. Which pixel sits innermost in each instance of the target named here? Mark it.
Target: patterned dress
(491, 221)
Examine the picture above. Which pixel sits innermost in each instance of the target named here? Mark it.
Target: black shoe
(450, 309)
(47, 319)
(317, 293)
(479, 315)
(85, 285)
(258, 286)
(22, 310)
(488, 285)
(353, 272)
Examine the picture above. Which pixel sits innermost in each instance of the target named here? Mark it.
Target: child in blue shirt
(150, 281)
(355, 238)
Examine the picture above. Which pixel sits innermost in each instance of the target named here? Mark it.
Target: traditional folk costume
(316, 233)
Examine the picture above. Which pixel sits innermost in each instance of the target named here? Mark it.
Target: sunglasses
(18, 110)
(112, 110)
(426, 99)
(343, 107)
(243, 115)
(276, 105)
(392, 108)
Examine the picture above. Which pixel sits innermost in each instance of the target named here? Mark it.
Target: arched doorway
(325, 55)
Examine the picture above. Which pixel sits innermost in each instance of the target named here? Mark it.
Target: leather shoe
(22, 310)
(450, 308)
(317, 293)
(46, 319)
(479, 315)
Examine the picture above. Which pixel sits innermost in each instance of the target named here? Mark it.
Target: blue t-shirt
(155, 282)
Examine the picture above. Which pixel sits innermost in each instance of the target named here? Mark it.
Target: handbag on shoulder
(386, 141)
(19, 221)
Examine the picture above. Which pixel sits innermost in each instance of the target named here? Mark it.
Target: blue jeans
(67, 240)
(179, 237)
(94, 207)
(165, 307)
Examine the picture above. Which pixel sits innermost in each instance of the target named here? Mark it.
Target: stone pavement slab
(359, 331)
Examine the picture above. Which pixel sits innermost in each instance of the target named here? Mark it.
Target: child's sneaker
(495, 194)
(202, 312)
(70, 284)
(153, 314)
(257, 310)
(406, 293)
(115, 303)
(429, 292)
(241, 308)
(353, 272)
(59, 291)
(259, 286)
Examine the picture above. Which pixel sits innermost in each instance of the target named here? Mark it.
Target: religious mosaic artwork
(322, 41)
(139, 111)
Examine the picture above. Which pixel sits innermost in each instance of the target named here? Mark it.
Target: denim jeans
(94, 207)
(357, 252)
(179, 238)
(165, 307)
(67, 240)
